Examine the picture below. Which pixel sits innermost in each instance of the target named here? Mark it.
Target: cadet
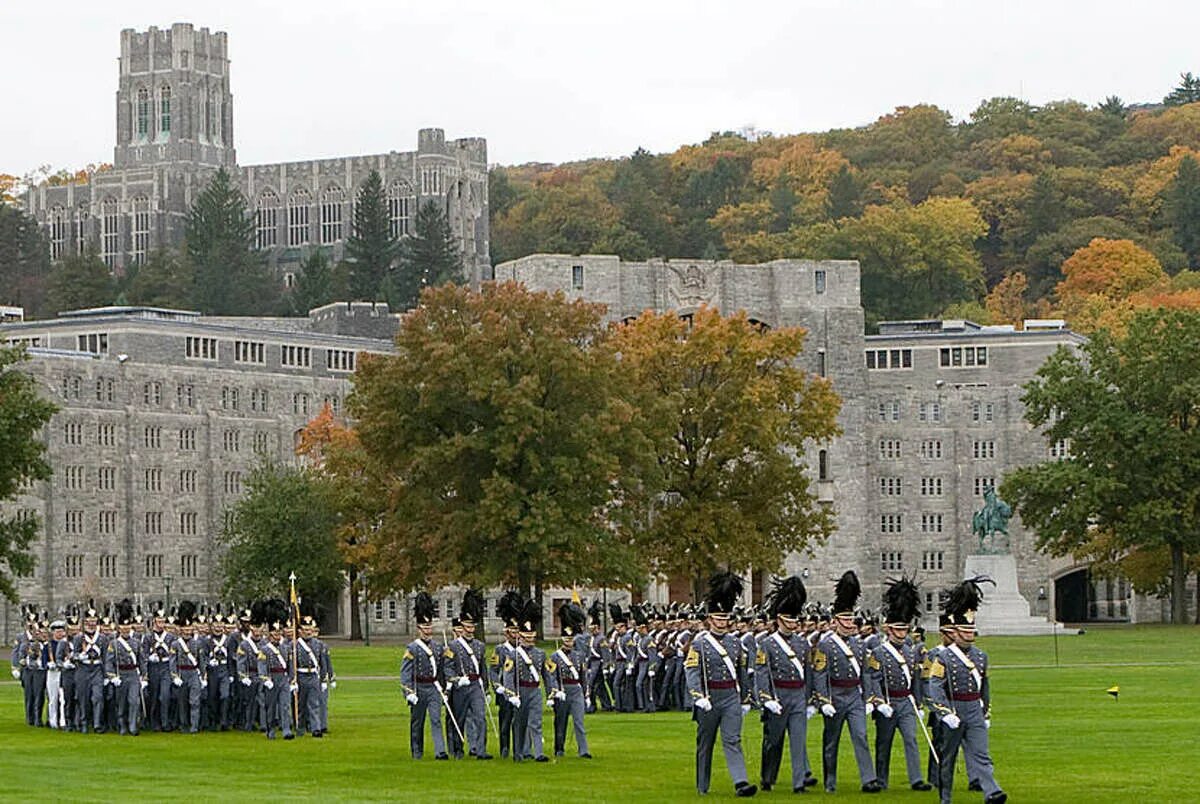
(895, 663)
(618, 641)
(646, 661)
(276, 671)
(59, 656)
(308, 678)
(841, 689)
(312, 633)
(599, 657)
(717, 687)
(221, 656)
(960, 693)
(508, 608)
(523, 673)
(421, 680)
(780, 683)
(246, 666)
(89, 650)
(187, 667)
(156, 652)
(464, 677)
(124, 671)
(565, 678)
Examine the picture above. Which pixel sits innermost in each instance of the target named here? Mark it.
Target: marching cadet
(895, 663)
(246, 664)
(618, 640)
(276, 671)
(156, 650)
(599, 657)
(328, 679)
(718, 688)
(67, 666)
(464, 677)
(841, 689)
(37, 657)
(308, 679)
(187, 665)
(960, 693)
(523, 673)
(124, 671)
(220, 651)
(691, 626)
(646, 654)
(89, 650)
(946, 637)
(565, 679)
(780, 684)
(508, 608)
(421, 681)
(58, 653)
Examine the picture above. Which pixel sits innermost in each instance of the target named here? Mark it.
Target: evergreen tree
(315, 285)
(229, 276)
(165, 280)
(79, 281)
(371, 249)
(1188, 91)
(1183, 209)
(845, 196)
(428, 258)
(24, 260)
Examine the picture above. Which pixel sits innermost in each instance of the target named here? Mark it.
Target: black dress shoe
(872, 786)
(289, 736)
(999, 797)
(441, 756)
(974, 786)
(585, 756)
(484, 756)
(745, 790)
(922, 785)
(543, 758)
(810, 781)
(765, 787)
(799, 789)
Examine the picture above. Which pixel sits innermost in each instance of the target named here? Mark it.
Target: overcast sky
(555, 81)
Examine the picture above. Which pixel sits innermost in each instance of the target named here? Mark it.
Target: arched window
(331, 214)
(110, 239)
(399, 200)
(298, 217)
(142, 128)
(266, 219)
(164, 110)
(823, 464)
(141, 229)
(58, 232)
(81, 219)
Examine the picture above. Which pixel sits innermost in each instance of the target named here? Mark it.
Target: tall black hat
(531, 615)
(615, 613)
(724, 589)
(596, 612)
(471, 610)
(901, 601)
(423, 608)
(572, 619)
(846, 593)
(185, 613)
(787, 597)
(640, 614)
(963, 599)
(509, 608)
(125, 612)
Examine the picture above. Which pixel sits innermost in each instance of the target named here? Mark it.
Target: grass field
(1056, 737)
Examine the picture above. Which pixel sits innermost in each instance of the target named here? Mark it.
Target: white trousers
(54, 696)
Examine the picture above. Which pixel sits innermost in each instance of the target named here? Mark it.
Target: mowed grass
(1056, 737)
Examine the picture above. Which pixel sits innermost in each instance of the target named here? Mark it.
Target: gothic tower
(173, 98)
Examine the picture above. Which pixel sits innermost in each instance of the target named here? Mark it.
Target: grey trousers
(726, 715)
(188, 697)
(904, 719)
(793, 724)
(308, 712)
(851, 712)
(468, 705)
(527, 725)
(89, 695)
(971, 735)
(429, 702)
(128, 698)
(277, 705)
(571, 709)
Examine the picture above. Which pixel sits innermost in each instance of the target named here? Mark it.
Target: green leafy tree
(1188, 91)
(428, 258)
(24, 259)
(371, 249)
(1183, 209)
(285, 523)
(230, 276)
(78, 281)
(164, 280)
(317, 283)
(1129, 410)
(23, 414)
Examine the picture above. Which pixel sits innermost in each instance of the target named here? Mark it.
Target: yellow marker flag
(1114, 691)
(575, 596)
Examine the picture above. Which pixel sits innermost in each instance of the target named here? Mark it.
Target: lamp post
(167, 586)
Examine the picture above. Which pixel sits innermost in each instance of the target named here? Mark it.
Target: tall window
(214, 111)
(110, 240)
(398, 200)
(141, 229)
(298, 218)
(331, 215)
(164, 110)
(142, 126)
(266, 219)
(81, 218)
(58, 232)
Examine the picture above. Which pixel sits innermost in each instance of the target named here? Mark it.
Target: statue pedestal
(1004, 612)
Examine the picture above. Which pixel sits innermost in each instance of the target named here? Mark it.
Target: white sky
(555, 81)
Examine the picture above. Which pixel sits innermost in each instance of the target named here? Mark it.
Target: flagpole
(295, 623)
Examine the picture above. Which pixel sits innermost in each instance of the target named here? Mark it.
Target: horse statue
(992, 518)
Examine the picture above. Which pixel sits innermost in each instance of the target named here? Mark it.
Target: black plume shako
(615, 613)
(901, 601)
(509, 608)
(531, 615)
(472, 607)
(185, 613)
(572, 619)
(423, 608)
(724, 590)
(963, 599)
(787, 597)
(596, 612)
(846, 593)
(125, 612)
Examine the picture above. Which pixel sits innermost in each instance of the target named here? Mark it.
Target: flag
(575, 596)
(1114, 691)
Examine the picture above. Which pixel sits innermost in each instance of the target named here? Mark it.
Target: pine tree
(1188, 91)
(845, 196)
(1183, 209)
(371, 249)
(315, 284)
(230, 277)
(164, 280)
(80, 281)
(24, 260)
(428, 258)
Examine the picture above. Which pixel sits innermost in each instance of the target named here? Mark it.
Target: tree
(845, 195)
(285, 523)
(728, 412)
(24, 258)
(428, 258)
(79, 281)
(502, 442)
(1183, 208)
(230, 276)
(316, 284)
(371, 249)
(1188, 91)
(164, 280)
(1006, 303)
(1129, 411)
(23, 414)
(1100, 276)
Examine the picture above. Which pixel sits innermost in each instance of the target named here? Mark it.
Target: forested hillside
(1083, 211)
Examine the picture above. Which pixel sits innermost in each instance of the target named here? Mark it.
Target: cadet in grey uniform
(645, 661)
(896, 665)
(188, 665)
(718, 688)
(781, 684)
(123, 667)
(524, 673)
(508, 608)
(156, 655)
(312, 634)
(246, 664)
(464, 676)
(59, 656)
(421, 679)
(276, 671)
(566, 679)
(959, 692)
(308, 677)
(618, 642)
(841, 689)
(89, 650)
(599, 657)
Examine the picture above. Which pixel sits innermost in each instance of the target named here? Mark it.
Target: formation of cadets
(189, 670)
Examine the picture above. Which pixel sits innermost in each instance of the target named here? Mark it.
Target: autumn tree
(1101, 276)
(1129, 411)
(729, 414)
(1006, 302)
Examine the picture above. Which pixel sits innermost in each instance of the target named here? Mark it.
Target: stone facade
(174, 115)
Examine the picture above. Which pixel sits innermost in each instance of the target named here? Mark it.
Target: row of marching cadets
(794, 671)
(452, 677)
(188, 670)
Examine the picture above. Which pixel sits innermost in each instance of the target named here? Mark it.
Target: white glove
(333, 684)
(827, 710)
(68, 665)
(324, 687)
(106, 682)
(177, 682)
(145, 683)
(269, 684)
(153, 658)
(116, 682)
(951, 721)
(501, 691)
(774, 707)
(52, 666)
(628, 671)
(870, 709)
(650, 673)
(246, 681)
(16, 673)
(703, 704)
(885, 709)
(745, 709)
(515, 700)
(294, 687)
(411, 698)
(987, 723)
(204, 683)
(559, 695)
(463, 681)
(810, 712)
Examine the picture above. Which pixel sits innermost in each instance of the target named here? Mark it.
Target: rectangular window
(823, 464)
(96, 343)
(932, 560)
(233, 482)
(187, 439)
(891, 523)
(298, 222)
(261, 442)
(392, 609)
(73, 434)
(187, 481)
(73, 565)
(334, 403)
(378, 611)
(819, 281)
(152, 438)
(929, 602)
(187, 565)
(295, 356)
(339, 359)
(982, 484)
(141, 230)
(931, 487)
(931, 523)
(891, 561)
(983, 450)
(110, 233)
(577, 277)
(153, 523)
(73, 523)
(201, 348)
(889, 449)
(398, 214)
(889, 358)
(821, 370)
(106, 435)
(300, 403)
(185, 396)
(265, 223)
(187, 523)
(106, 522)
(1060, 449)
(73, 477)
(106, 478)
(930, 412)
(152, 393)
(249, 352)
(154, 564)
(331, 218)
(230, 441)
(229, 398)
(890, 486)
(153, 479)
(108, 566)
(962, 356)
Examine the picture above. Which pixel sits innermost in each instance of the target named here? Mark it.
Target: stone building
(174, 128)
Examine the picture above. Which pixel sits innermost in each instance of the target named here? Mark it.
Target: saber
(446, 700)
(928, 738)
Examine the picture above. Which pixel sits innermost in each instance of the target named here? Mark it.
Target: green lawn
(1056, 737)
